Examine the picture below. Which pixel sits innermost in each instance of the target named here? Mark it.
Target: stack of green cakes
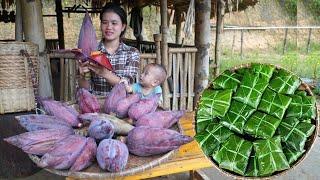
(255, 121)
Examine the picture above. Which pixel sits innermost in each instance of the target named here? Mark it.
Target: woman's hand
(104, 73)
(99, 70)
(83, 67)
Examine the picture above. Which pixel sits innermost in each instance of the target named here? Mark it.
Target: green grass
(303, 64)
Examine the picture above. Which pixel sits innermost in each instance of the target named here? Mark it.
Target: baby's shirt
(137, 88)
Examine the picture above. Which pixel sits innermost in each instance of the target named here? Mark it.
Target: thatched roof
(232, 5)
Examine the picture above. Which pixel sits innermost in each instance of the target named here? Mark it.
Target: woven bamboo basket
(308, 146)
(16, 85)
(134, 165)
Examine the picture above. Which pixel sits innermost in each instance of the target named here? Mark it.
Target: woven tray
(308, 146)
(135, 163)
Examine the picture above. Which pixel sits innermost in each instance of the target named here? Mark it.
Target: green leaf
(227, 80)
(203, 121)
(292, 155)
(253, 168)
(251, 89)
(284, 82)
(234, 154)
(295, 133)
(237, 116)
(261, 125)
(210, 139)
(301, 93)
(274, 104)
(270, 156)
(302, 107)
(265, 70)
(215, 102)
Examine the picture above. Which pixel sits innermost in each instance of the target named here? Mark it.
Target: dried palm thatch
(183, 5)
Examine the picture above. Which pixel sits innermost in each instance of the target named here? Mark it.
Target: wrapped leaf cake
(256, 121)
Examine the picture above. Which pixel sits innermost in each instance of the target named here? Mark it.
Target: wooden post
(18, 23)
(241, 50)
(285, 41)
(157, 40)
(164, 49)
(219, 28)
(309, 39)
(178, 26)
(233, 42)
(202, 42)
(60, 24)
(33, 29)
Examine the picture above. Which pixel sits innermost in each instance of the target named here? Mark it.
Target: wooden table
(188, 158)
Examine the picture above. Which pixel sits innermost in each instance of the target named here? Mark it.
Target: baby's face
(148, 77)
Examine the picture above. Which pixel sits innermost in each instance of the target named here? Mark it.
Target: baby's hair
(162, 72)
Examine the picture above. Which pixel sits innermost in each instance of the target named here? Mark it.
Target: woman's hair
(113, 7)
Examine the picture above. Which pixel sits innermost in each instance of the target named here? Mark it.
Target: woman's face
(111, 26)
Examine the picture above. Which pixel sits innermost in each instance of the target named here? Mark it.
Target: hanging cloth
(136, 23)
(187, 29)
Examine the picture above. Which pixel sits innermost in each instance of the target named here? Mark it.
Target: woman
(124, 59)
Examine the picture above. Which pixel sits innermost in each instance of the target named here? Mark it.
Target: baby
(152, 77)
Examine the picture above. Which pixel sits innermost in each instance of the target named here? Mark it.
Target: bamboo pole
(241, 49)
(18, 23)
(202, 42)
(183, 80)
(233, 42)
(178, 26)
(66, 80)
(285, 41)
(182, 50)
(62, 77)
(309, 39)
(157, 40)
(33, 29)
(60, 24)
(175, 69)
(164, 49)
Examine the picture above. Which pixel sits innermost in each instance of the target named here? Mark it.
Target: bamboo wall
(180, 80)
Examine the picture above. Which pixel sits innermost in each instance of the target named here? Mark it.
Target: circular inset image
(257, 120)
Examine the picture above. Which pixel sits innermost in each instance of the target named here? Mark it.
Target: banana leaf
(292, 155)
(295, 133)
(305, 120)
(270, 155)
(301, 93)
(203, 121)
(237, 116)
(251, 89)
(215, 102)
(302, 107)
(234, 154)
(264, 70)
(261, 125)
(242, 71)
(274, 104)
(211, 138)
(284, 82)
(227, 80)
(253, 168)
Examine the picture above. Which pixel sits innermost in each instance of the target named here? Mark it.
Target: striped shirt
(125, 63)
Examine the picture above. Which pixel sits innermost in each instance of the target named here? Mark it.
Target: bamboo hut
(177, 95)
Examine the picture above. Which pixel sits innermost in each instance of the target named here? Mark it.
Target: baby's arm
(127, 85)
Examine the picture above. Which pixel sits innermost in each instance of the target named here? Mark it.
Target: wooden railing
(180, 76)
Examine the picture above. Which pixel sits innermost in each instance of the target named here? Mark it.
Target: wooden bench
(188, 158)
